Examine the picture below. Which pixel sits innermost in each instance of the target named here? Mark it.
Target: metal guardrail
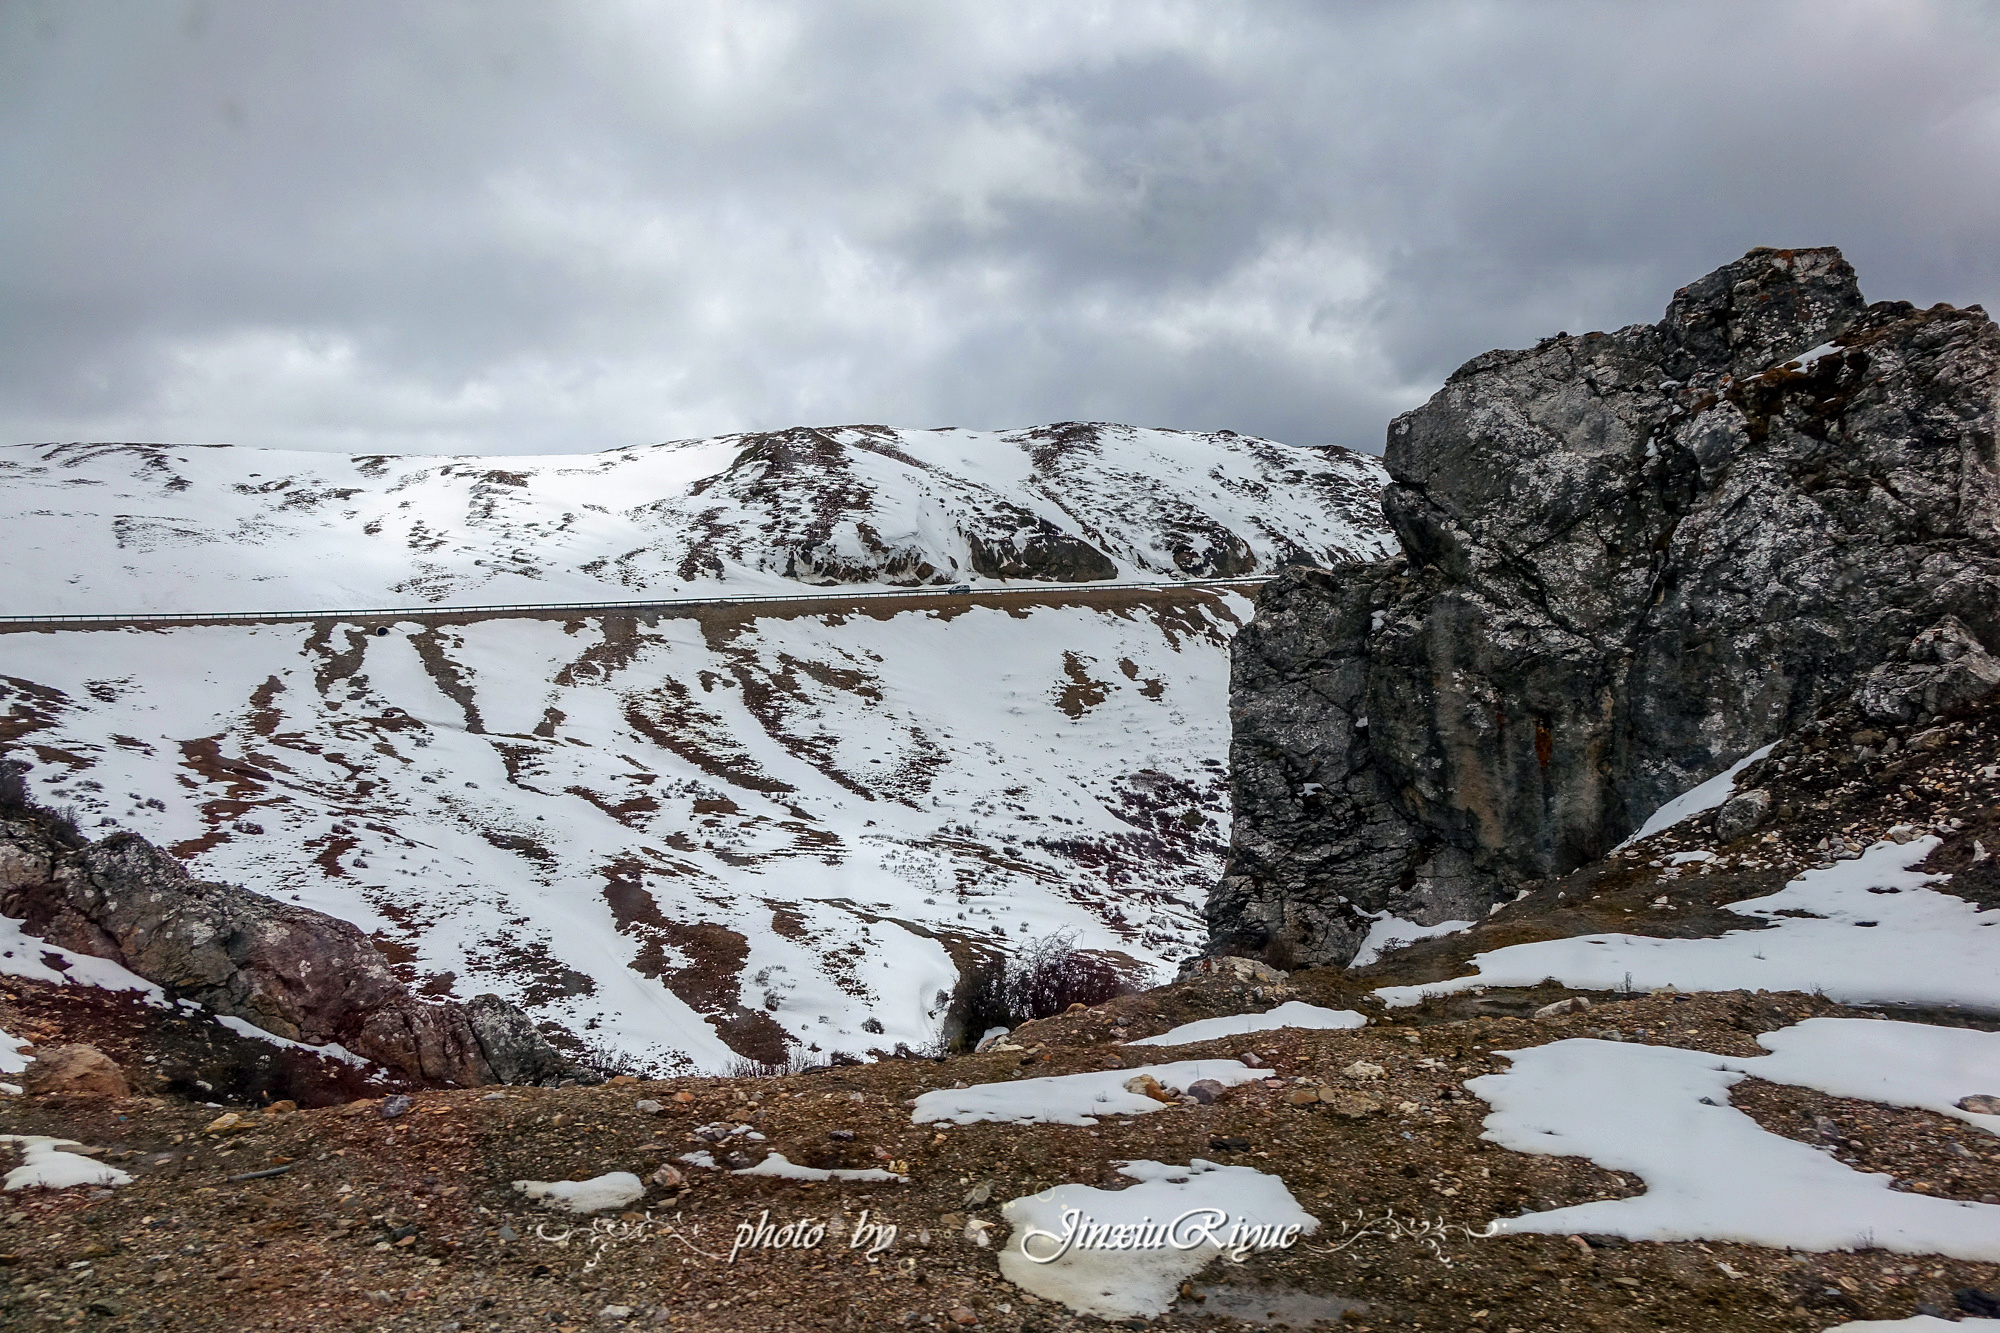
(654, 604)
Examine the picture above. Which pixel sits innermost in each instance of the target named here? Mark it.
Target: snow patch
(1291, 1014)
(1707, 796)
(1199, 1208)
(1919, 1323)
(1392, 932)
(11, 1059)
(22, 955)
(614, 1189)
(331, 1050)
(777, 1164)
(1072, 1099)
(1711, 1172)
(1876, 934)
(44, 1165)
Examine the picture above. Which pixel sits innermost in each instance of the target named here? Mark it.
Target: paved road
(780, 603)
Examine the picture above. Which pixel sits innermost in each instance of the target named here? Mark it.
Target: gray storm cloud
(516, 228)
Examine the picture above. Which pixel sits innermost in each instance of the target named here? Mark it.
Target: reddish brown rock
(289, 970)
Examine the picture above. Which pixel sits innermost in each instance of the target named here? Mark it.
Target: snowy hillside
(111, 528)
(687, 838)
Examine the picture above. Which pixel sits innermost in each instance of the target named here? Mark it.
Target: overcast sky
(515, 228)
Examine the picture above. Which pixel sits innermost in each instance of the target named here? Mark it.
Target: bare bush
(1050, 974)
(1044, 977)
(17, 801)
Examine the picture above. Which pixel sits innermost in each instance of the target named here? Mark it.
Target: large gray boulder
(291, 971)
(1627, 560)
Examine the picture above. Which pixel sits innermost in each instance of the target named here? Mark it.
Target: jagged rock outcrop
(287, 969)
(1037, 549)
(1627, 560)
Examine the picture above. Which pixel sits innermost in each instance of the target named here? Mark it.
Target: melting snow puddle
(44, 1165)
(1072, 1099)
(1919, 946)
(1118, 1253)
(1711, 1172)
(1291, 1014)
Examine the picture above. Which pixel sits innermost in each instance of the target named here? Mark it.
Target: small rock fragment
(1302, 1096)
(647, 1106)
(616, 1314)
(668, 1177)
(1575, 1004)
(397, 1105)
(1980, 1103)
(1349, 1105)
(1742, 813)
(1363, 1069)
(1205, 1090)
(961, 1315)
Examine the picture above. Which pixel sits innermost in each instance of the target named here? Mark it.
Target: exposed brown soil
(413, 1222)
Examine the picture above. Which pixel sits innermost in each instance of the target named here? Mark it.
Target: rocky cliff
(1627, 560)
(291, 971)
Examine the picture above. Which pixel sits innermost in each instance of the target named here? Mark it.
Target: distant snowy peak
(137, 527)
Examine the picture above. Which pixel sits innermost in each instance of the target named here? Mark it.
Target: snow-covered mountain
(110, 528)
(691, 836)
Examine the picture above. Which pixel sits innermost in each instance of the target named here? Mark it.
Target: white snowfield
(1290, 1014)
(1153, 1234)
(120, 528)
(663, 831)
(1712, 1173)
(1072, 1099)
(693, 838)
(1875, 934)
